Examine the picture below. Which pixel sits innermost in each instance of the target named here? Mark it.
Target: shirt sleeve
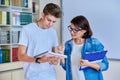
(23, 40)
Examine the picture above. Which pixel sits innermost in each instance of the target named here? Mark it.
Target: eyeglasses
(74, 30)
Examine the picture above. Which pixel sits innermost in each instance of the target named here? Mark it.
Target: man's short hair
(52, 9)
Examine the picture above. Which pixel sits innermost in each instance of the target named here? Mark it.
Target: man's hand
(53, 60)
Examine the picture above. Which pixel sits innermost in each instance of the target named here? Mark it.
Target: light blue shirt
(38, 40)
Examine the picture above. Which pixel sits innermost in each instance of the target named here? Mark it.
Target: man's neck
(39, 24)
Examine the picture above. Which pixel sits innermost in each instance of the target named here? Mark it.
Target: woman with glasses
(77, 47)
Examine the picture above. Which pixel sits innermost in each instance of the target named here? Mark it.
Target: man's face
(48, 21)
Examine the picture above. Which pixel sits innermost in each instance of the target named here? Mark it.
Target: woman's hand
(60, 49)
(90, 64)
(84, 62)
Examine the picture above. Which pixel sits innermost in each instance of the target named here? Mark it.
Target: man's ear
(42, 15)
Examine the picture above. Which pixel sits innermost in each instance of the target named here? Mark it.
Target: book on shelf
(16, 18)
(2, 2)
(8, 18)
(26, 3)
(4, 17)
(16, 3)
(0, 56)
(14, 54)
(21, 18)
(15, 36)
(4, 55)
(25, 18)
(5, 2)
(93, 57)
(35, 7)
(4, 36)
(50, 54)
(30, 4)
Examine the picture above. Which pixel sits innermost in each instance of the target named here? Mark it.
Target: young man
(37, 38)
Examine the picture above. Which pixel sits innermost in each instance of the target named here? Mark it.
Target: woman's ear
(84, 31)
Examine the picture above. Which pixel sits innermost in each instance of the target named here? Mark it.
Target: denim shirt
(90, 45)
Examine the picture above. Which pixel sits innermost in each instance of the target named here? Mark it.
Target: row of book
(19, 3)
(15, 36)
(22, 3)
(21, 18)
(4, 17)
(4, 37)
(5, 55)
(5, 2)
(25, 18)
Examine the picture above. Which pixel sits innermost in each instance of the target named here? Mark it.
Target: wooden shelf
(10, 66)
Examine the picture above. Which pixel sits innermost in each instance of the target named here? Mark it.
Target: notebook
(94, 57)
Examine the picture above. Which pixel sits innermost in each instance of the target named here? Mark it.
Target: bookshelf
(14, 14)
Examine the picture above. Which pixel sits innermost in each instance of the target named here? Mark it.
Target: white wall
(104, 18)
(113, 73)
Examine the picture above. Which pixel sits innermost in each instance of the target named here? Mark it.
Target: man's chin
(48, 26)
